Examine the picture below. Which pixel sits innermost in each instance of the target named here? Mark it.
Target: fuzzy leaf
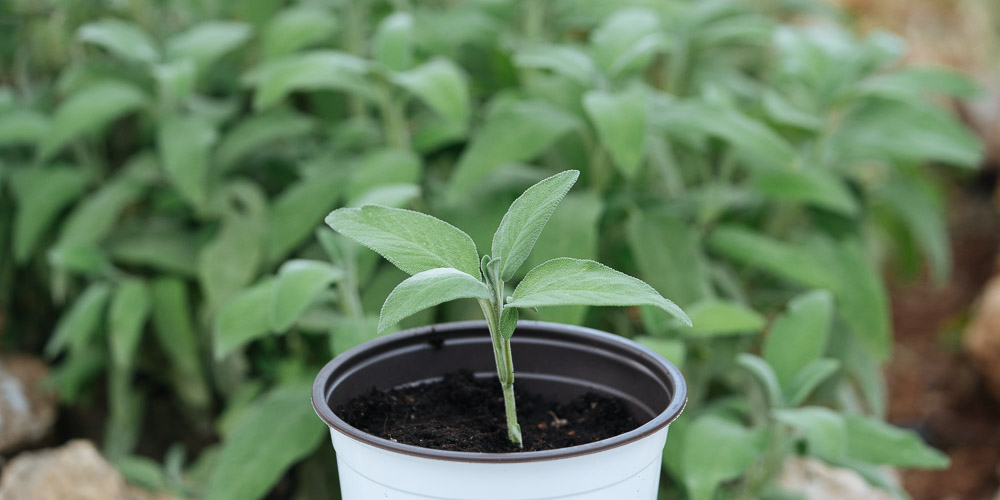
(121, 38)
(393, 42)
(564, 60)
(298, 284)
(872, 440)
(427, 289)
(824, 429)
(441, 85)
(208, 41)
(89, 110)
(315, 70)
(295, 28)
(620, 120)
(704, 466)
(184, 144)
(799, 336)
(765, 376)
(714, 317)
(669, 256)
(806, 381)
(243, 317)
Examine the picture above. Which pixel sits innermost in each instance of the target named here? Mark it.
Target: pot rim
(669, 414)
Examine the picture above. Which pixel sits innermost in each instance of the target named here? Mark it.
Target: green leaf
(174, 327)
(261, 133)
(713, 317)
(130, 307)
(79, 324)
(244, 317)
(524, 221)
(872, 440)
(176, 80)
(22, 126)
(765, 376)
(412, 241)
(913, 83)
(166, 248)
(229, 261)
(393, 43)
(922, 213)
(561, 59)
(95, 217)
(669, 256)
(427, 289)
(824, 429)
(862, 301)
(627, 39)
(382, 168)
(297, 210)
(807, 185)
(567, 281)
(121, 38)
(208, 41)
(41, 195)
(809, 378)
(799, 336)
(781, 259)
(277, 431)
(441, 85)
(89, 110)
(704, 467)
(508, 322)
(314, 70)
(620, 120)
(298, 284)
(673, 349)
(185, 143)
(346, 332)
(513, 131)
(295, 28)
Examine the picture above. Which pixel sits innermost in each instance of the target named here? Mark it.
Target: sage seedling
(445, 265)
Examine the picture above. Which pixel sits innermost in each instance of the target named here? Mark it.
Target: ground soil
(463, 413)
(932, 386)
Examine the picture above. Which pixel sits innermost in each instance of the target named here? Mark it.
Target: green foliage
(161, 161)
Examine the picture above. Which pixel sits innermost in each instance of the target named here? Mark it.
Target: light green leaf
(298, 209)
(244, 317)
(166, 248)
(412, 241)
(393, 195)
(514, 131)
(381, 168)
(427, 289)
(173, 324)
(315, 70)
(121, 38)
(765, 376)
(564, 60)
(22, 126)
(176, 80)
(41, 195)
(508, 322)
(277, 431)
(779, 258)
(872, 440)
(298, 284)
(620, 120)
(567, 281)
(809, 378)
(914, 83)
(130, 307)
(673, 349)
(295, 28)
(261, 133)
(95, 217)
(713, 317)
(229, 261)
(441, 85)
(185, 143)
(393, 42)
(524, 221)
(78, 325)
(89, 110)
(920, 209)
(669, 256)
(799, 336)
(704, 466)
(807, 185)
(862, 301)
(347, 332)
(208, 41)
(627, 39)
(824, 429)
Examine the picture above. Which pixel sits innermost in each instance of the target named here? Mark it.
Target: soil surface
(463, 413)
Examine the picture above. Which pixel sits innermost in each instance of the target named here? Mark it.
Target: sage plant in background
(445, 265)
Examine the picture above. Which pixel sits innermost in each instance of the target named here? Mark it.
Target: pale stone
(27, 410)
(816, 480)
(982, 336)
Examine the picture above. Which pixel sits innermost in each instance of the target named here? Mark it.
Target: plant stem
(505, 366)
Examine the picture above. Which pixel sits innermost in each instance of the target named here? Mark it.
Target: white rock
(816, 480)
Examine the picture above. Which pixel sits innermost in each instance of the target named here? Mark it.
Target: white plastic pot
(558, 361)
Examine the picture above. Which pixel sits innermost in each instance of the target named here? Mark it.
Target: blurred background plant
(165, 168)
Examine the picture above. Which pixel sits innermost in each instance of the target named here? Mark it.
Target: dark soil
(463, 413)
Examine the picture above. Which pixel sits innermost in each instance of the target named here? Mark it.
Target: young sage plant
(445, 265)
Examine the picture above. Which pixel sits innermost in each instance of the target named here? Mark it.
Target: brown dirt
(463, 413)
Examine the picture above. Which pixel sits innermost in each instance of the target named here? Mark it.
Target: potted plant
(560, 362)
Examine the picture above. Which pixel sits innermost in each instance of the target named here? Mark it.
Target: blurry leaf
(713, 317)
(441, 85)
(785, 112)
(95, 217)
(811, 186)
(798, 337)
(913, 83)
(346, 333)
(22, 126)
(672, 349)
(185, 143)
(669, 256)
(427, 289)
(823, 428)
(230, 261)
(524, 221)
(627, 39)
(781, 259)
(861, 296)
(620, 120)
(295, 28)
(78, 325)
(297, 285)
(765, 376)
(513, 131)
(561, 59)
(567, 281)
(392, 45)
(88, 111)
(121, 38)
(175, 332)
(83, 258)
(41, 195)
(142, 471)
(277, 431)
(383, 167)
(920, 210)
(704, 466)
(808, 379)
(393, 196)
(130, 307)
(208, 41)
(872, 440)
(243, 317)
(315, 70)
(297, 211)
(167, 249)
(176, 79)
(412, 241)
(258, 133)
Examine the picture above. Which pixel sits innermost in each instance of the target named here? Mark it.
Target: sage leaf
(294, 213)
(669, 255)
(871, 440)
(524, 221)
(185, 143)
(714, 317)
(441, 85)
(347, 332)
(567, 281)
(298, 284)
(808, 379)
(314, 70)
(208, 41)
(131, 305)
(704, 467)
(173, 324)
(295, 28)
(427, 289)
(243, 317)
(41, 194)
(121, 38)
(564, 60)
(627, 39)
(412, 241)
(620, 120)
(824, 429)
(22, 126)
(508, 322)
(765, 376)
(78, 325)
(799, 336)
(88, 110)
(393, 43)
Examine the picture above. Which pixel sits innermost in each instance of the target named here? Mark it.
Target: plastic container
(555, 360)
